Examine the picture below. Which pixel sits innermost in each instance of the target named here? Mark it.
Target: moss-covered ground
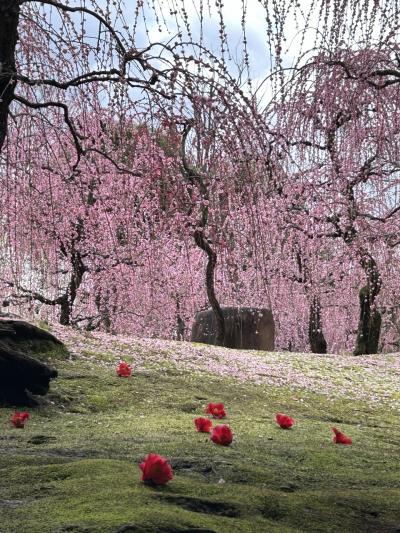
(74, 467)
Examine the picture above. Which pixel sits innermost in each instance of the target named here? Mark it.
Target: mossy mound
(74, 468)
(23, 350)
(31, 340)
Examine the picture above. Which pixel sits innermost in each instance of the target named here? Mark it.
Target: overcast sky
(256, 31)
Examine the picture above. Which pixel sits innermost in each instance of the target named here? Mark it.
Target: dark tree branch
(362, 76)
(89, 77)
(123, 170)
(380, 219)
(32, 294)
(75, 134)
(9, 18)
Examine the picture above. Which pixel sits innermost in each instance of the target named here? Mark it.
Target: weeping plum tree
(344, 137)
(108, 222)
(60, 88)
(47, 81)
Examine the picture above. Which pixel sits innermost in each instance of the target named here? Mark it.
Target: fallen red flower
(217, 410)
(18, 419)
(203, 425)
(284, 421)
(156, 469)
(222, 434)
(124, 370)
(340, 438)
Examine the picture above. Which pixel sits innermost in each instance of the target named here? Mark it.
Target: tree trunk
(369, 325)
(316, 337)
(102, 304)
(180, 324)
(9, 17)
(180, 329)
(68, 299)
(194, 177)
(315, 334)
(202, 243)
(65, 310)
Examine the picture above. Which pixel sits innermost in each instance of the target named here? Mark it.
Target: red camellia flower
(217, 410)
(124, 370)
(203, 425)
(284, 421)
(18, 419)
(340, 438)
(156, 469)
(222, 434)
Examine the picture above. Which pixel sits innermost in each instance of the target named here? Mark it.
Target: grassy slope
(74, 467)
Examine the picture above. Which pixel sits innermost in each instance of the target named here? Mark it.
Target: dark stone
(245, 328)
(20, 373)
(25, 337)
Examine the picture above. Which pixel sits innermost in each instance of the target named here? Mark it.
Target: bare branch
(381, 219)
(32, 294)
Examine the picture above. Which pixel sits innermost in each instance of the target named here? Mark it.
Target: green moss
(41, 349)
(43, 325)
(74, 466)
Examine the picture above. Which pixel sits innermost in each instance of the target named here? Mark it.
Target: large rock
(245, 327)
(20, 373)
